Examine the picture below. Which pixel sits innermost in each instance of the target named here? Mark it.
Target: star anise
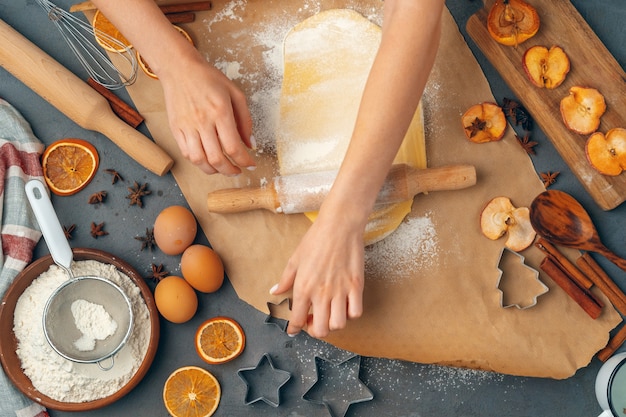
(549, 178)
(158, 273)
(115, 174)
(476, 126)
(98, 230)
(147, 241)
(67, 231)
(136, 193)
(527, 144)
(517, 113)
(97, 198)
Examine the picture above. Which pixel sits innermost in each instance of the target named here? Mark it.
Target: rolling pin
(301, 193)
(75, 98)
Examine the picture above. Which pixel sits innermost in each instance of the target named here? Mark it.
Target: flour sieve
(69, 340)
(60, 323)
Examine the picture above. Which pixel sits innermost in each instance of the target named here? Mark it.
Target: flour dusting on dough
(327, 58)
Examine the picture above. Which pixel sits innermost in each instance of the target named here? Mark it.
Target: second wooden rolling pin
(73, 97)
(305, 192)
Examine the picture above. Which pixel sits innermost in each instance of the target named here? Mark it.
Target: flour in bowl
(93, 321)
(59, 378)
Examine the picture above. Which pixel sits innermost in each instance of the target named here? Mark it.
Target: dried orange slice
(219, 340)
(69, 165)
(144, 65)
(191, 391)
(103, 27)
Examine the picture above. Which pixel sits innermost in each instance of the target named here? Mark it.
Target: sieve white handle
(49, 224)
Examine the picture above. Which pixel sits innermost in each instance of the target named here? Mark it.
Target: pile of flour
(67, 381)
(94, 323)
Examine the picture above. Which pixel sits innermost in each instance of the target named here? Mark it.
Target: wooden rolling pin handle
(451, 177)
(404, 182)
(237, 200)
(131, 141)
(75, 98)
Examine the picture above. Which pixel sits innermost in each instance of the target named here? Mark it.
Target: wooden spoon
(560, 219)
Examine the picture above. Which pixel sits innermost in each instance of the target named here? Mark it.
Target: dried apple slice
(582, 109)
(546, 67)
(607, 153)
(484, 122)
(511, 22)
(500, 217)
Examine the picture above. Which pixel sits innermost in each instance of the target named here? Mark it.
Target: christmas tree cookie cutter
(529, 287)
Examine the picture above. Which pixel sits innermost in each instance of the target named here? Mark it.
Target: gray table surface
(399, 388)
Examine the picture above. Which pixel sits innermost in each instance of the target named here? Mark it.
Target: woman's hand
(209, 117)
(326, 274)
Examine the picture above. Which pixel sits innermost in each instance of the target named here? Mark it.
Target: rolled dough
(327, 59)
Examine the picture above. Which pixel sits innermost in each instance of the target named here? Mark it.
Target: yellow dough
(327, 59)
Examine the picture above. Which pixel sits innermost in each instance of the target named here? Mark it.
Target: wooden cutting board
(592, 65)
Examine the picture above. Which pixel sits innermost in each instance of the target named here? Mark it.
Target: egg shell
(175, 229)
(175, 299)
(202, 268)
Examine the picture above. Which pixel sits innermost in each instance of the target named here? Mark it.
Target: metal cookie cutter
(273, 308)
(263, 382)
(526, 272)
(338, 385)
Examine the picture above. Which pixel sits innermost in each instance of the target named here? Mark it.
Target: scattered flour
(229, 12)
(231, 69)
(93, 321)
(413, 246)
(67, 381)
(387, 374)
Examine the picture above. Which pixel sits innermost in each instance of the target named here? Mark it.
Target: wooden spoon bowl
(560, 219)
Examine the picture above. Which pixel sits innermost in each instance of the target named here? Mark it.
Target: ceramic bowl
(8, 343)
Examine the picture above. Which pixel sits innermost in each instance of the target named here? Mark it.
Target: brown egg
(175, 229)
(175, 299)
(202, 268)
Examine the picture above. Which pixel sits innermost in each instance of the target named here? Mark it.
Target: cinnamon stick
(185, 17)
(119, 107)
(174, 8)
(601, 279)
(187, 7)
(614, 343)
(579, 277)
(585, 299)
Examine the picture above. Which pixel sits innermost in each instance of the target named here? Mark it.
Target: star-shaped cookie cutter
(542, 288)
(273, 308)
(263, 382)
(338, 385)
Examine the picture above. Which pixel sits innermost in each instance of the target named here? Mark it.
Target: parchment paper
(431, 287)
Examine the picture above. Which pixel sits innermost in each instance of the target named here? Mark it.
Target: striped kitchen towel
(20, 151)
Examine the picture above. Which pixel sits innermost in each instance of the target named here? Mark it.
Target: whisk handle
(74, 98)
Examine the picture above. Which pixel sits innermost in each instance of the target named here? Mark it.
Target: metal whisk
(80, 35)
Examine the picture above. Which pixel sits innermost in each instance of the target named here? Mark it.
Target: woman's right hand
(208, 116)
